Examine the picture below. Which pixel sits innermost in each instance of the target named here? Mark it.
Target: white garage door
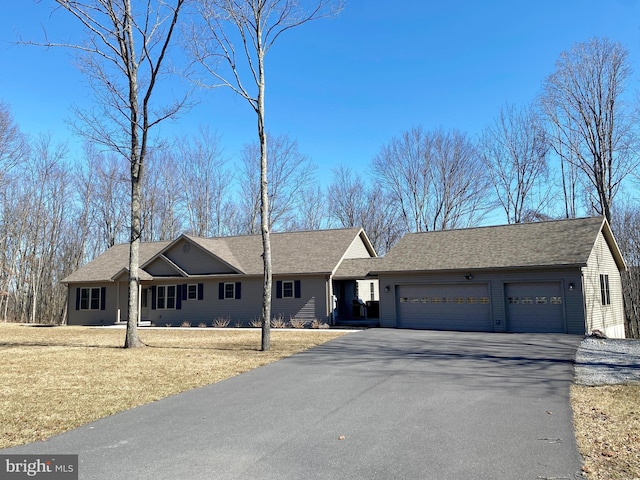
(535, 307)
(444, 307)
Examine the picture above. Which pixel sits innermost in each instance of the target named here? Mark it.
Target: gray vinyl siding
(240, 312)
(357, 249)
(107, 316)
(496, 281)
(195, 260)
(607, 318)
(312, 304)
(161, 268)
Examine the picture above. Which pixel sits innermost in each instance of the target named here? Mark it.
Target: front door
(144, 302)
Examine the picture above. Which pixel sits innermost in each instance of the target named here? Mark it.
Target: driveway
(378, 404)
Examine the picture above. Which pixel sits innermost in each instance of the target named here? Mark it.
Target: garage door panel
(535, 307)
(444, 307)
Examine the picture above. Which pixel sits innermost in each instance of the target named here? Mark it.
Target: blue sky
(344, 87)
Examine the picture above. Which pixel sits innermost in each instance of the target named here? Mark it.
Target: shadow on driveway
(378, 404)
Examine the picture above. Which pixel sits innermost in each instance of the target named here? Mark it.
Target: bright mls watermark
(49, 467)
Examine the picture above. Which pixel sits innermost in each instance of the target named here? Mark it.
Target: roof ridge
(508, 225)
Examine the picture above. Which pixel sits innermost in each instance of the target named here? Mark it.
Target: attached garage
(560, 276)
(444, 307)
(535, 307)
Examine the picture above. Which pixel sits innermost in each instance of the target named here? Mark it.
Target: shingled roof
(310, 252)
(112, 262)
(525, 245)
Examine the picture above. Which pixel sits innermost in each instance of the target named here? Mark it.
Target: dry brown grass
(607, 421)
(55, 379)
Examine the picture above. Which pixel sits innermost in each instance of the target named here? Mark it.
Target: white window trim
(233, 291)
(166, 297)
(293, 291)
(195, 291)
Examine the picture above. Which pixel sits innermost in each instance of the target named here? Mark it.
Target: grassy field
(607, 421)
(55, 379)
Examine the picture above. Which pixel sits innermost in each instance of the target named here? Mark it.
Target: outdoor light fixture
(468, 276)
(571, 286)
(387, 289)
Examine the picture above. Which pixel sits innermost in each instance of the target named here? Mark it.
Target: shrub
(256, 323)
(202, 325)
(318, 324)
(221, 322)
(185, 324)
(278, 322)
(297, 322)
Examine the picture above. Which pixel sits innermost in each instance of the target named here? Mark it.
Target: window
(541, 300)
(372, 291)
(90, 298)
(229, 291)
(484, 300)
(287, 289)
(605, 294)
(166, 297)
(556, 301)
(192, 290)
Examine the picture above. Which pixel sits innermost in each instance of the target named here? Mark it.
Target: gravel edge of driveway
(607, 361)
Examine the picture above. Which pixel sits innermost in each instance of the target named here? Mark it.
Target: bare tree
(108, 173)
(204, 201)
(13, 144)
(352, 203)
(239, 34)
(290, 175)
(161, 205)
(583, 100)
(436, 178)
(123, 57)
(514, 150)
(312, 212)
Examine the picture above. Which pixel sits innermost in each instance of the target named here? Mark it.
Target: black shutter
(103, 294)
(238, 294)
(297, 288)
(78, 298)
(153, 297)
(184, 291)
(279, 289)
(200, 291)
(178, 297)
(221, 290)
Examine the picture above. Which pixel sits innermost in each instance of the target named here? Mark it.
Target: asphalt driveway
(378, 404)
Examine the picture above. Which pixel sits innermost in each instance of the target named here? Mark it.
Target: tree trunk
(264, 213)
(132, 339)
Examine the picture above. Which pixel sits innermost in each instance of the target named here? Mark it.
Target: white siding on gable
(195, 261)
(357, 249)
(607, 318)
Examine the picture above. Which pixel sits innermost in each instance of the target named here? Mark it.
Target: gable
(360, 248)
(161, 266)
(194, 260)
